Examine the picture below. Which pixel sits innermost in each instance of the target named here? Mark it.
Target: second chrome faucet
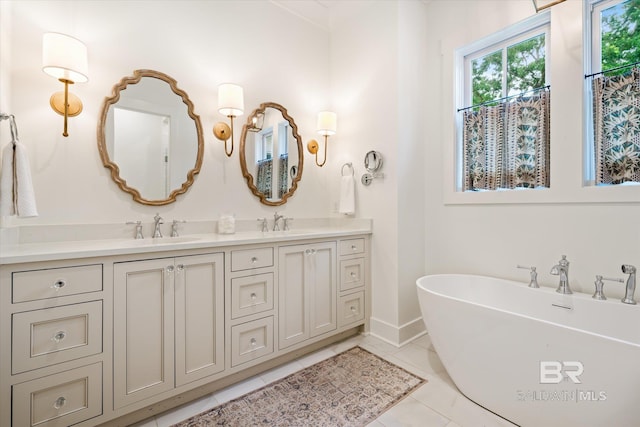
(562, 270)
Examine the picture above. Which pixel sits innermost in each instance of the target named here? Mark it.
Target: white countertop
(17, 252)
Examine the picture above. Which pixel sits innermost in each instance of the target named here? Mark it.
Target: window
(613, 92)
(615, 35)
(503, 114)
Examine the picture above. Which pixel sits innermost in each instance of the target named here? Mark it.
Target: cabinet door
(199, 311)
(143, 330)
(293, 307)
(307, 292)
(322, 288)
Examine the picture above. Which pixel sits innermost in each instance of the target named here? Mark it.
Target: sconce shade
(327, 123)
(64, 58)
(230, 99)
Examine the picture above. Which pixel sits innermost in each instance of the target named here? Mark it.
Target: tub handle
(533, 282)
(599, 293)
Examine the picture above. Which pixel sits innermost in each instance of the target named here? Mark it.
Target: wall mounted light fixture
(231, 104)
(327, 125)
(65, 58)
(544, 4)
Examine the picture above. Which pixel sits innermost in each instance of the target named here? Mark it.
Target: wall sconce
(544, 4)
(231, 104)
(65, 58)
(326, 127)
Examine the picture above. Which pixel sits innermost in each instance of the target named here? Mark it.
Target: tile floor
(438, 403)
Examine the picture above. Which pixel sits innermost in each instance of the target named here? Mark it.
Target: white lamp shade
(327, 122)
(230, 99)
(64, 57)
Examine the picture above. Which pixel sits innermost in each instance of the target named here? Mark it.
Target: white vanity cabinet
(51, 343)
(168, 324)
(353, 278)
(113, 336)
(251, 301)
(307, 287)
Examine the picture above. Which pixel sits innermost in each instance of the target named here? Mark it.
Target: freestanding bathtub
(534, 356)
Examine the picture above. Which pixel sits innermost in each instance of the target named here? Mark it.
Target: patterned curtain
(263, 180)
(507, 145)
(283, 166)
(616, 127)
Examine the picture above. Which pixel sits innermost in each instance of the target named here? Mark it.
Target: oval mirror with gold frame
(150, 138)
(271, 154)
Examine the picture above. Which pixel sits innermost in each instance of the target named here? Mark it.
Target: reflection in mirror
(271, 154)
(150, 138)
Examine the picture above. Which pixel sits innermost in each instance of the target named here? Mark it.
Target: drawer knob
(253, 296)
(254, 260)
(59, 284)
(60, 402)
(353, 274)
(253, 342)
(59, 336)
(180, 267)
(170, 269)
(353, 309)
(354, 247)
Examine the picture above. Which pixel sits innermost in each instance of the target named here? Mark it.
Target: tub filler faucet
(562, 270)
(631, 283)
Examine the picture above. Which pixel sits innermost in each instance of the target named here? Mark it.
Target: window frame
(502, 39)
(592, 64)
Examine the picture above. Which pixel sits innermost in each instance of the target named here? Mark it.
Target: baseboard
(397, 335)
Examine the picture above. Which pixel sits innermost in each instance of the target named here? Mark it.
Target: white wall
(378, 59)
(275, 55)
(492, 238)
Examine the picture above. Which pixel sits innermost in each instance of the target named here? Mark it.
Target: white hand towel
(347, 195)
(16, 187)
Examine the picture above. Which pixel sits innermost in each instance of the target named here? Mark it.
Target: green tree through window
(524, 68)
(620, 35)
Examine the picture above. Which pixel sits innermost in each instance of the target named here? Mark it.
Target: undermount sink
(170, 240)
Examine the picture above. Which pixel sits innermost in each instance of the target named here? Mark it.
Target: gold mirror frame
(102, 143)
(243, 159)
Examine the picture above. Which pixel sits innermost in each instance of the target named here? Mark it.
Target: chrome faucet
(276, 218)
(562, 270)
(263, 222)
(157, 233)
(631, 283)
(286, 224)
(174, 227)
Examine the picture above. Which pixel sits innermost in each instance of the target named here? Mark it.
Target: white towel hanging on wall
(16, 187)
(347, 204)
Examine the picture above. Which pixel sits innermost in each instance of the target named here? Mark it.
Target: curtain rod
(612, 69)
(504, 98)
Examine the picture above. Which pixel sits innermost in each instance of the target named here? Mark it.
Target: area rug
(347, 390)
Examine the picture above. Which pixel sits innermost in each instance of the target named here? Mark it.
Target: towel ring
(349, 165)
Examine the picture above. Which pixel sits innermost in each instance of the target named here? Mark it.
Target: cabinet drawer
(351, 246)
(251, 258)
(350, 309)
(55, 282)
(59, 400)
(252, 294)
(54, 335)
(351, 273)
(251, 340)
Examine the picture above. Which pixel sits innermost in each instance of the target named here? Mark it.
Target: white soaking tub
(534, 356)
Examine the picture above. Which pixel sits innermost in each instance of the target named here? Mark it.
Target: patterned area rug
(349, 389)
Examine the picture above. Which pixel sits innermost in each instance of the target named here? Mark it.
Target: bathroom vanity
(116, 330)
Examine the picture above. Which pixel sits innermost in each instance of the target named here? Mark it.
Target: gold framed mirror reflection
(271, 154)
(150, 138)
